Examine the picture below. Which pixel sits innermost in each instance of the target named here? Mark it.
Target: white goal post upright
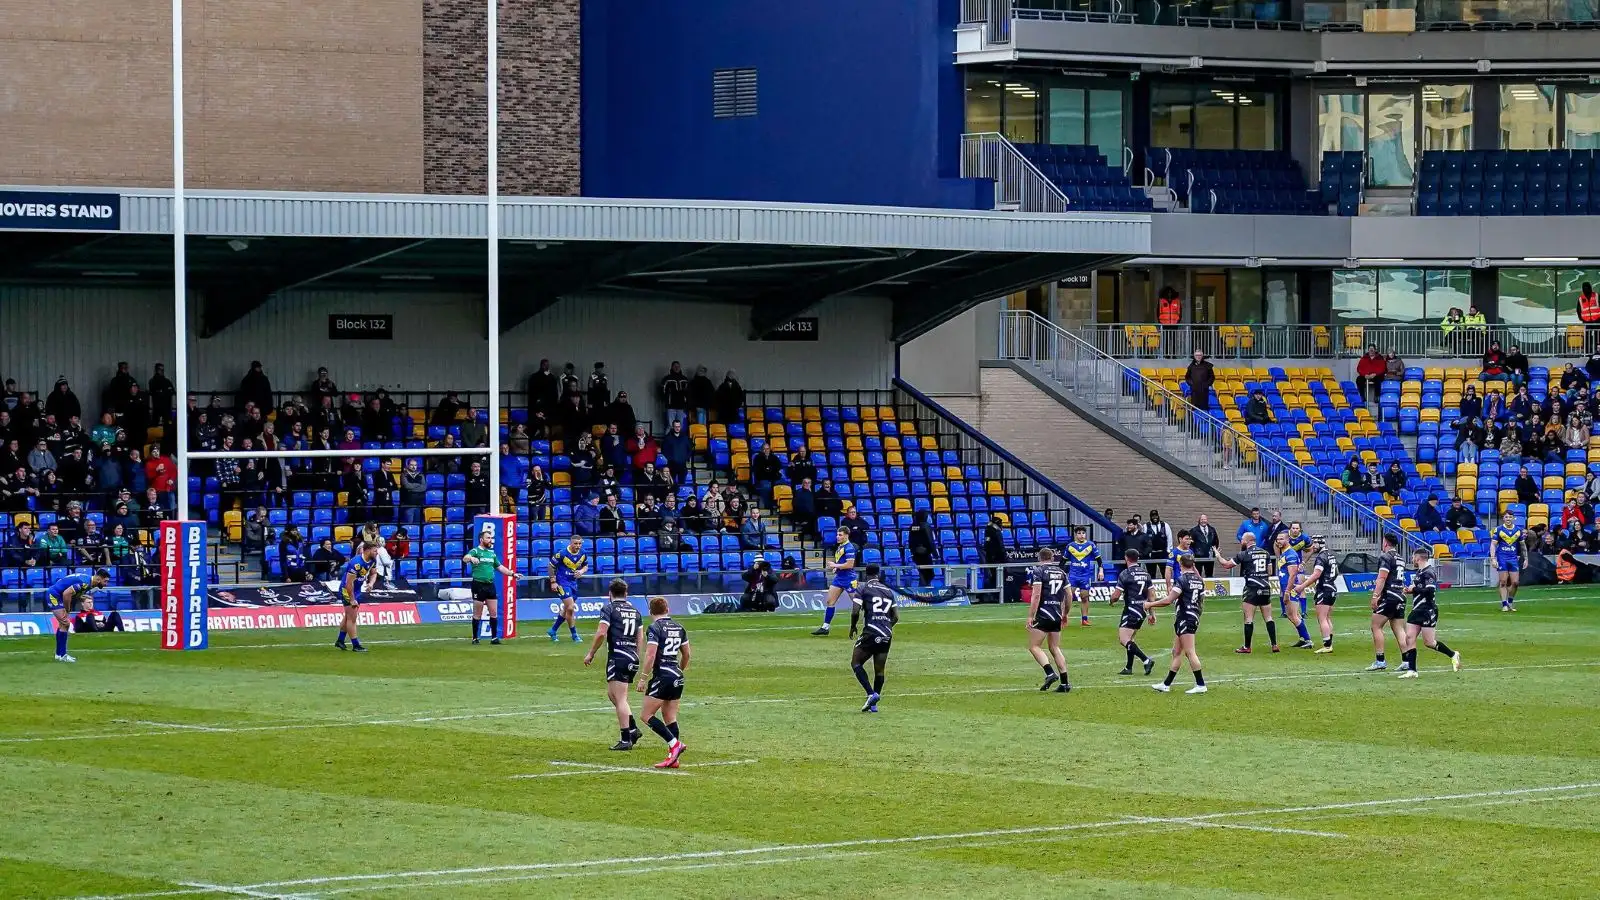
(494, 251)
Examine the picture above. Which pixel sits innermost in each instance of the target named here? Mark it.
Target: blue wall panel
(860, 102)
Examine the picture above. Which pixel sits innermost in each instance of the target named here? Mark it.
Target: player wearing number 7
(1047, 604)
(624, 640)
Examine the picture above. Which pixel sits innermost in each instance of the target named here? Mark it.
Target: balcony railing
(1328, 15)
(1176, 342)
(1018, 183)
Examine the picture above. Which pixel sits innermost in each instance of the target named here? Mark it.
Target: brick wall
(1097, 467)
(539, 97)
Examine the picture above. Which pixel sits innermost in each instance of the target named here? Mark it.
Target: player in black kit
(1388, 603)
(874, 600)
(1187, 598)
(666, 658)
(1133, 589)
(1255, 564)
(1322, 573)
(624, 640)
(1424, 615)
(1047, 603)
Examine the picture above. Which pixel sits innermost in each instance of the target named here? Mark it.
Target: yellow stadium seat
(852, 430)
(1334, 483)
(1466, 491)
(561, 479)
(853, 444)
(1346, 445)
(908, 428)
(1362, 414)
(813, 414)
(1355, 337)
(1003, 519)
(435, 514)
(894, 458)
(929, 442)
(779, 491)
(995, 489)
(953, 473)
(813, 429)
(1433, 373)
(342, 533)
(858, 474)
(741, 472)
(718, 431)
(1441, 551)
(1426, 470)
(1408, 524)
(1539, 509)
(938, 489)
(793, 414)
(343, 498)
(1428, 415)
(1575, 338)
(941, 504)
(1507, 496)
(869, 413)
(902, 505)
(755, 414)
(1369, 457)
(887, 414)
(1575, 468)
(856, 459)
(1304, 458)
(1384, 512)
(1552, 483)
(870, 428)
(739, 445)
(1315, 415)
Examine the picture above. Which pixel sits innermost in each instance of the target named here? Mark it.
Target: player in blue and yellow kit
(568, 565)
(1508, 559)
(1083, 569)
(841, 576)
(1293, 604)
(63, 596)
(359, 574)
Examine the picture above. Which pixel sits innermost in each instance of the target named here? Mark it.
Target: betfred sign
(502, 531)
(184, 625)
(347, 327)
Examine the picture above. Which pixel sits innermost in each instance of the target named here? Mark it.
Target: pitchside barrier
(184, 614)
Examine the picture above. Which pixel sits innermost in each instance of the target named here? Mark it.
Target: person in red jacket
(641, 448)
(1369, 373)
(161, 473)
(1572, 513)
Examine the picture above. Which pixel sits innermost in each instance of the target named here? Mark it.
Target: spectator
(586, 517)
(1370, 372)
(647, 516)
(325, 562)
(1571, 513)
(921, 546)
(538, 488)
(654, 483)
(353, 484)
(477, 489)
(1448, 327)
(104, 431)
(608, 482)
(473, 432)
(641, 448)
(543, 397)
(695, 519)
(1527, 487)
(53, 548)
(1394, 481)
(620, 413)
(702, 395)
(399, 545)
(613, 452)
(675, 394)
(1206, 545)
(384, 487)
(376, 423)
(611, 520)
(804, 511)
(162, 395)
(107, 470)
(570, 386)
(1510, 446)
(752, 531)
(508, 503)
(1394, 368)
(1132, 538)
(153, 508)
(1572, 378)
(712, 500)
(17, 491)
(62, 402)
(1158, 541)
(1575, 435)
(413, 491)
(1352, 477)
(1494, 364)
(801, 468)
(1591, 489)
(90, 620)
(761, 587)
(1256, 412)
(857, 525)
(255, 387)
(677, 447)
(829, 505)
(994, 553)
(1516, 363)
(1591, 369)
(1373, 478)
(670, 514)
(584, 462)
(520, 442)
(1428, 516)
(1459, 515)
(254, 538)
(71, 521)
(133, 414)
(91, 545)
(444, 465)
(598, 393)
(572, 419)
(729, 398)
(733, 510)
(448, 410)
(23, 550)
(291, 555)
(1476, 326)
(1200, 376)
(323, 390)
(51, 492)
(766, 470)
(41, 459)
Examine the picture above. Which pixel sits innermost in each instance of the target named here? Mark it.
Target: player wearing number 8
(1047, 604)
(624, 640)
(666, 658)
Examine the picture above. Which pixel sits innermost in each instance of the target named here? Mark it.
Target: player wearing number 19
(875, 601)
(624, 640)
(666, 658)
(1255, 564)
(484, 563)
(1047, 605)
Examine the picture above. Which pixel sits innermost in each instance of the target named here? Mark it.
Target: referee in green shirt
(485, 563)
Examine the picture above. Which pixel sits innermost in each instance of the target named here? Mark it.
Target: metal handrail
(1222, 452)
(1017, 180)
(1420, 344)
(1127, 161)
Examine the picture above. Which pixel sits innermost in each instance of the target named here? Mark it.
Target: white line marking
(601, 769)
(389, 879)
(242, 891)
(1145, 820)
(179, 726)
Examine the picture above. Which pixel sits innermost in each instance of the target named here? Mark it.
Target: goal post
(185, 624)
(503, 532)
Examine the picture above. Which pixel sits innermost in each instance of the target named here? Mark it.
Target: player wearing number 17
(485, 563)
(1047, 606)
(666, 658)
(624, 640)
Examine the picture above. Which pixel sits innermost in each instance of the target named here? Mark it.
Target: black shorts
(872, 645)
(1131, 619)
(1257, 597)
(1051, 626)
(665, 687)
(621, 668)
(1424, 615)
(1391, 607)
(1186, 625)
(484, 590)
(1326, 598)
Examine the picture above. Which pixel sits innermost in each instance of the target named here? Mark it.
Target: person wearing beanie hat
(62, 402)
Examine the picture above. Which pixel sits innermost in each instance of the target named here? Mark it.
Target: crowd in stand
(1508, 419)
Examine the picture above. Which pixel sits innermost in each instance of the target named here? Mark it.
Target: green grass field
(275, 766)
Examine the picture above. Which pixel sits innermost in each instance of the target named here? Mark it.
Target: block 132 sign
(346, 327)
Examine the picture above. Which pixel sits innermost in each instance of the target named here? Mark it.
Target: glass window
(1105, 124)
(1066, 116)
(1244, 296)
(1447, 117)
(1568, 284)
(1583, 120)
(1213, 118)
(1391, 139)
(1021, 111)
(1399, 295)
(1341, 122)
(1446, 289)
(983, 105)
(1258, 120)
(1527, 116)
(1171, 115)
(1355, 295)
(1281, 297)
(1527, 296)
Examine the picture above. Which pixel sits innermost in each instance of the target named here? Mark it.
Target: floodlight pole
(494, 255)
(180, 268)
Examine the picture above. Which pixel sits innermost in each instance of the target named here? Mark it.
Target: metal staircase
(1019, 186)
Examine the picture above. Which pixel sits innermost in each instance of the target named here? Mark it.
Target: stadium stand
(1507, 183)
(1236, 181)
(1083, 175)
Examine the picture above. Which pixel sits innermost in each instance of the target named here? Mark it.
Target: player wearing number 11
(624, 640)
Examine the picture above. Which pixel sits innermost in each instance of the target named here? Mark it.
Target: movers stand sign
(502, 531)
(184, 625)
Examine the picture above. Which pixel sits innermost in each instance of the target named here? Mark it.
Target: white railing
(1203, 442)
(1018, 183)
(1413, 343)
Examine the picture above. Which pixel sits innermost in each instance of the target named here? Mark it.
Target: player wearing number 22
(875, 601)
(624, 639)
(1047, 605)
(666, 658)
